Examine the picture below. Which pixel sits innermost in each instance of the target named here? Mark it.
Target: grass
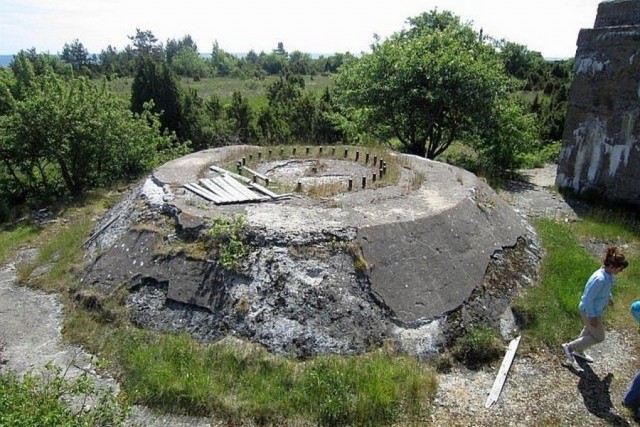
(478, 347)
(13, 237)
(551, 308)
(238, 381)
(35, 400)
(254, 90)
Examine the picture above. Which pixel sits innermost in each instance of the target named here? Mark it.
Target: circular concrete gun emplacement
(333, 260)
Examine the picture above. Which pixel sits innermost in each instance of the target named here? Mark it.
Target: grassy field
(237, 381)
(254, 90)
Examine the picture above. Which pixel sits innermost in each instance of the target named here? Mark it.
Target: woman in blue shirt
(595, 298)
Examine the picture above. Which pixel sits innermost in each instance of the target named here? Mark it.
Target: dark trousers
(632, 398)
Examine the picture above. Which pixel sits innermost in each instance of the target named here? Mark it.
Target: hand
(610, 303)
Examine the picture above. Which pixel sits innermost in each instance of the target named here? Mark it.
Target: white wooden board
(502, 373)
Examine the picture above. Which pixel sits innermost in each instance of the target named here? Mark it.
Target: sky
(319, 27)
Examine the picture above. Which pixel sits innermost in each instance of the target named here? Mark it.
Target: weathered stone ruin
(415, 262)
(601, 154)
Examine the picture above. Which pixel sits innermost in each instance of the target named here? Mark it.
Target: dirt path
(539, 390)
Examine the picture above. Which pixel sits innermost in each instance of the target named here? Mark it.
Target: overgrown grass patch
(242, 381)
(613, 226)
(564, 271)
(41, 400)
(62, 253)
(13, 237)
(478, 347)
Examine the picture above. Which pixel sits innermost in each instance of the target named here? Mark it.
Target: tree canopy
(67, 135)
(427, 86)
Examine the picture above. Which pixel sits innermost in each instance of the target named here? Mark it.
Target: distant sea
(5, 60)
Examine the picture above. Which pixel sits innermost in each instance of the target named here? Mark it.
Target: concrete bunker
(416, 259)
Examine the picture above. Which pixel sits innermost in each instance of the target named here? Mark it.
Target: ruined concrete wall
(601, 154)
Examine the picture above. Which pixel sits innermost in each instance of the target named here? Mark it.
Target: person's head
(614, 260)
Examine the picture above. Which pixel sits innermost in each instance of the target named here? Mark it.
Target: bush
(225, 240)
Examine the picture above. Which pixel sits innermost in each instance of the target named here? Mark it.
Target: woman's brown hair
(615, 258)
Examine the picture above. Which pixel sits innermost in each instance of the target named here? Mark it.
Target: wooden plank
(258, 174)
(237, 185)
(241, 195)
(202, 192)
(223, 197)
(264, 190)
(235, 175)
(243, 189)
(221, 192)
(268, 192)
(502, 373)
(227, 188)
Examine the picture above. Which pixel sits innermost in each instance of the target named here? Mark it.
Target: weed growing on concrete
(225, 238)
(360, 264)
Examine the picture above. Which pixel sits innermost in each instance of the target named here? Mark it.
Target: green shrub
(225, 239)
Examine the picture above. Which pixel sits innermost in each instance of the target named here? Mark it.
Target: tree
(175, 46)
(272, 63)
(427, 86)
(239, 112)
(508, 133)
(76, 55)
(188, 62)
(145, 44)
(7, 98)
(300, 63)
(108, 60)
(70, 135)
(280, 50)
(40, 64)
(519, 61)
(223, 63)
(155, 81)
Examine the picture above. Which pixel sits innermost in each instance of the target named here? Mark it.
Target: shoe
(583, 356)
(569, 353)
